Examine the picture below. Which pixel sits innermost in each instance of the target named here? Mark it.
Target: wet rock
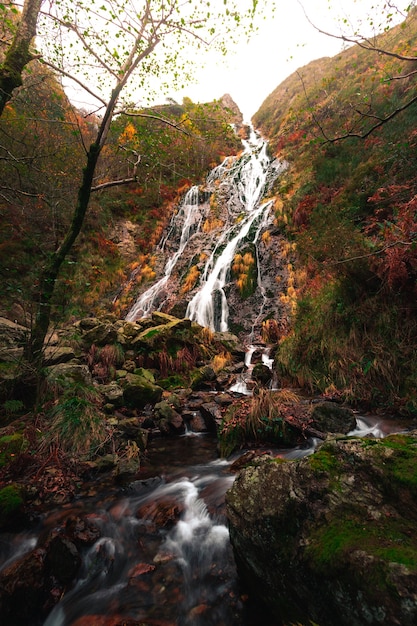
(168, 420)
(63, 559)
(194, 421)
(262, 374)
(22, 593)
(81, 531)
(333, 532)
(212, 415)
(162, 513)
(332, 418)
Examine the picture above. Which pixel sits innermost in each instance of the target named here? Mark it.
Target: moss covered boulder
(138, 391)
(331, 537)
(11, 503)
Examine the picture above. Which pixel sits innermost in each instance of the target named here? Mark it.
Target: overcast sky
(283, 44)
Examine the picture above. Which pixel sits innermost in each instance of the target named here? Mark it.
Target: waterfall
(190, 218)
(242, 182)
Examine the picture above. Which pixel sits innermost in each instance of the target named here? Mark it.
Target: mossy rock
(145, 373)
(10, 446)
(329, 417)
(262, 374)
(11, 502)
(138, 391)
(346, 513)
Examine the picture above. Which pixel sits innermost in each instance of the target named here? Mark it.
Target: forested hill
(43, 139)
(348, 201)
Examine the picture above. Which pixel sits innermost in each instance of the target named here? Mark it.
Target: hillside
(43, 139)
(348, 203)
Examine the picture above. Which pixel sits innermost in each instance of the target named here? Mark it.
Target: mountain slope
(349, 205)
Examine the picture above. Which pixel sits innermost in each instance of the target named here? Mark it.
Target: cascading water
(244, 181)
(189, 219)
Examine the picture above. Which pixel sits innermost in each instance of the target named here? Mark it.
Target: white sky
(283, 45)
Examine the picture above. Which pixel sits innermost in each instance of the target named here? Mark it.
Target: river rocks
(329, 417)
(331, 537)
(63, 559)
(262, 374)
(35, 582)
(138, 391)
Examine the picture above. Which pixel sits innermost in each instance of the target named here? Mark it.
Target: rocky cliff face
(331, 537)
(259, 271)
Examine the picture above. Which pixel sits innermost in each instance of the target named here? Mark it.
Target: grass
(76, 424)
(260, 419)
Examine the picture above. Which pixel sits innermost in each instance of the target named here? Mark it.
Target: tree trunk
(34, 347)
(18, 55)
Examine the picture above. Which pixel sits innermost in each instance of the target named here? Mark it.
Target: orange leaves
(190, 279)
(128, 134)
(242, 268)
(212, 223)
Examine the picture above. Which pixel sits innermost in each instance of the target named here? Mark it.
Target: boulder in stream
(331, 537)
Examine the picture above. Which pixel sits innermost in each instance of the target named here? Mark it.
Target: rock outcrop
(331, 537)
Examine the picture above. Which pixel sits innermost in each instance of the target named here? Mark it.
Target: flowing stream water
(164, 555)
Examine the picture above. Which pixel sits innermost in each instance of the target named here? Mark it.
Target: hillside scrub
(349, 206)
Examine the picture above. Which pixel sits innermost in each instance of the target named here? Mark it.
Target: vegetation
(259, 419)
(71, 32)
(349, 208)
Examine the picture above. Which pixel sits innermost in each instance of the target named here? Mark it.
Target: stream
(163, 557)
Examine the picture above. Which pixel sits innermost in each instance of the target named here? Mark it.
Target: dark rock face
(331, 537)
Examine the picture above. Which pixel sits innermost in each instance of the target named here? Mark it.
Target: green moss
(10, 445)
(324, 460)
(401, 465)
(388, 540)
(10, 502)
(175, 381)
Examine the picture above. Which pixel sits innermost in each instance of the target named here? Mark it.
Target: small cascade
(241, 385)
(188, 219)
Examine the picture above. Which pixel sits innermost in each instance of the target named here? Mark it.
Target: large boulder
(11, 333)
(138, 391)
(329, 417)
(331, 537)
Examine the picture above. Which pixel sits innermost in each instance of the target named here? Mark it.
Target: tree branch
(114, 183)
